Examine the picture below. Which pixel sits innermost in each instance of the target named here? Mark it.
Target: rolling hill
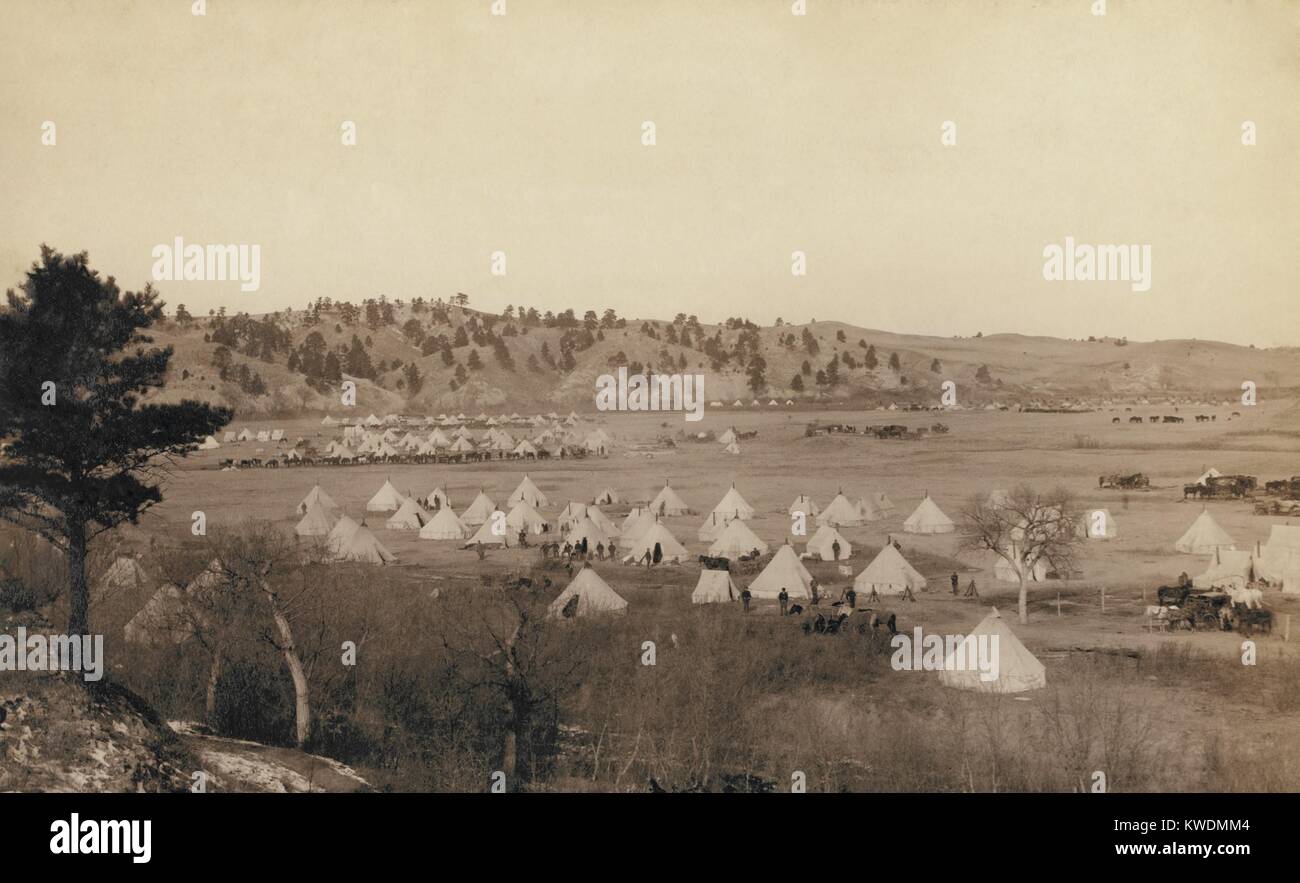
(465, 359)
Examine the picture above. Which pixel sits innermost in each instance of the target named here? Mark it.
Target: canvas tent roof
(666, 502)
(803, 503)
(882, 501)
(478, 511)
(1279, 556)
(361, 545)
(840, 512)
(670, 550)
(733, 448)
(529, 493)
(712, 527)
(317, 521)
(386, 499)
(488, 536)
(594, 596)
(163, 618)
(524, 517)
(889, 574)
(1227, 568)
(124, 573)
(409, 516)
(589, 530)
(785, 570)
(928, 518)
(714, 587)
(737, 539)
(1018, 670)
(607, 497)
(444, 525)
(733, 504)
(822, 544)
(1204, 536)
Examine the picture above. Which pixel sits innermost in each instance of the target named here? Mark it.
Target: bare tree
(502, 640)
(1027, 529)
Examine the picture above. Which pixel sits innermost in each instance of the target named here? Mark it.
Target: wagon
(1207, 610)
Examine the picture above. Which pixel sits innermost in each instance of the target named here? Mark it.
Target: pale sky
(775, 133)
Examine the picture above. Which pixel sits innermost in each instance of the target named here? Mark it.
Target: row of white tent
(1275, 560)
(448, 420)
(246, 434)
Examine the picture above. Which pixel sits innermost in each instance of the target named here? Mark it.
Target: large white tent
(1018, 670)
(529, 493)
(736, 540)
(889, 574)
(928, 518)
(593, 593)
(317, 521)
(733, 505)
(489, 534)
(478, 511)
(1204, 536)
(842, 512)
(668, 503)
(443, 526)
(317, 494)
(784, 571)
(409, 516)
(361, 545)
(386, 499)
(656, 536)
(822, 544)
(803, 503)
(714, 587)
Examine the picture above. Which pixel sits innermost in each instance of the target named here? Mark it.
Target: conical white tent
(525, 517)
(594, 596)
(822, 544)
(588, 530)
(1098, 524)
(727, 437)
(209, 444)
(736, 540)
(785, 570)
(868, 510)
(529, 493)
(478, 511)
(1018, 670)
(386, 499)
(437, 499)
(889, 574)
(840, 512)
(409, 516)
(714, 587)
(316, 522)
(713, 527)
(317, 494)
(668, 503)
(803, 503)
(488, 534)
(361, 545)
(443, 526)
(1279, 556)
(670, 551)
(163, 618)
(1227, 568)
(607, 497)
(928, 518)
(1204, 536)
(125, 573)
(882, 502)
(603, 521)
(637, 522)
(733, 505)
(733, 448)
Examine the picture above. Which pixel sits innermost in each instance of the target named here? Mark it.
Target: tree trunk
(214, 675)
(1024, 597)
(302, 698)
(78, 590)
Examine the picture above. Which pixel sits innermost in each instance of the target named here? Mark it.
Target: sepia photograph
(890, 402)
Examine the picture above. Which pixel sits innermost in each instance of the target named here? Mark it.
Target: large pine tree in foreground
(85, 453)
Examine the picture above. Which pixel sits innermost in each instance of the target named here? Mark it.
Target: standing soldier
(784, 598)
(744, 599)
(954, 582)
